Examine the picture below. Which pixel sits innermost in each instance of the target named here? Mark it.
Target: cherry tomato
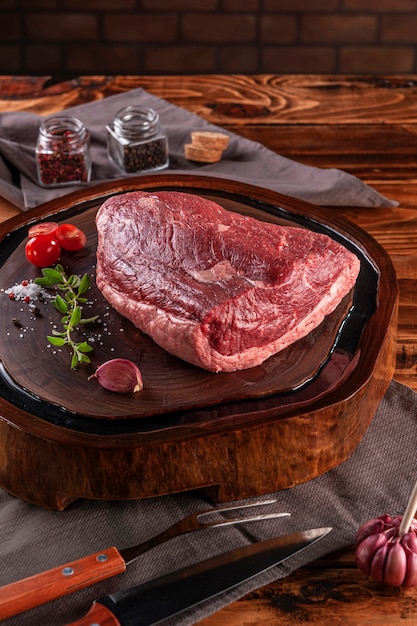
(46, 228)
(43, 250)
(70, 237)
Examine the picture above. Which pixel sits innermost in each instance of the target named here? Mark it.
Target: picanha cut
(218, 289)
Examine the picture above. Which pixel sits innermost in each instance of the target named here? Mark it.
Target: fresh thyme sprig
(73, 288)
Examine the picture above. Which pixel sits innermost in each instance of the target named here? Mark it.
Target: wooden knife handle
(33, 591)
(98, 614)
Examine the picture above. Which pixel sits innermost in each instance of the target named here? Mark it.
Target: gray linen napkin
(244, 160)
(376, 479)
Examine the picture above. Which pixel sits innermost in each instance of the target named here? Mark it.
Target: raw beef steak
(213, 287)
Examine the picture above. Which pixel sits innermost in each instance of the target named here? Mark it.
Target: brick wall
(71, 37)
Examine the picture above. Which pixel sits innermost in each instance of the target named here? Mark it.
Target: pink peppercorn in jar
(62, 152)
(136, 142)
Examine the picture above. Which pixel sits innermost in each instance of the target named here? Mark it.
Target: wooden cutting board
(234, 435)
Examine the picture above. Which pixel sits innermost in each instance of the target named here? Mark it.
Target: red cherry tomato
(70, 237)
(43, 250)
(46, 228)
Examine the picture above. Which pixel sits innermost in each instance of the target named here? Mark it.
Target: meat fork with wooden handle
(38, 589)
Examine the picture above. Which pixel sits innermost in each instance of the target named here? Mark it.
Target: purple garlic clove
(395, 565)
(376, 525)
(366, 550)
(119, 375)
(377, 567)
(409, 542)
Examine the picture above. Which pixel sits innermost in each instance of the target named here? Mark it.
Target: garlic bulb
(386, 547)
(119, 375)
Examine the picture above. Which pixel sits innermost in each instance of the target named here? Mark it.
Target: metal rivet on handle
(101, 558)
(67, 571)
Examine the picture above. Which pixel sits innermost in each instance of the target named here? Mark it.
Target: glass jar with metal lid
(136, 142)
(62, 152)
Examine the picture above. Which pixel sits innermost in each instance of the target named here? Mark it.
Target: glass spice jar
(62, 152)
(136, 142)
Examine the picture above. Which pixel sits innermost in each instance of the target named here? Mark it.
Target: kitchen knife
(150, 603)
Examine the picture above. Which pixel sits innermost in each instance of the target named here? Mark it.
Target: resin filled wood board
(170, 384)
(194, 438)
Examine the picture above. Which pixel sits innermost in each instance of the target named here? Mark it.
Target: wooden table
(364, 125)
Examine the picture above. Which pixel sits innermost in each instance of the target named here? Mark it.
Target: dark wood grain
(372, 136)
(322, 596)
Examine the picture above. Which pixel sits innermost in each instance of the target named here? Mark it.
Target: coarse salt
(28, 291)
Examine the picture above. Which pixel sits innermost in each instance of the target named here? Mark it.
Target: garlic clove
(119, 376)
(409, 542)
(366, 550)
(376, 570)
(373, 526)
(395, 565)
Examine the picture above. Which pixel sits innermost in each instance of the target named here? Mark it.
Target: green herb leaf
(74, 280)
(52, 275)
(43, 282)
(84, 347)
(58, 333)
(89, 320)
(57, 341)
(60, 304)
(84, 285)
(75, 316)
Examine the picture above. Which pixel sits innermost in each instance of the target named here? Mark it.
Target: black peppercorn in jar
(62, 152)
(136, 142)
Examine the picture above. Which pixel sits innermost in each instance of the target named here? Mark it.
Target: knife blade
(156, 600)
